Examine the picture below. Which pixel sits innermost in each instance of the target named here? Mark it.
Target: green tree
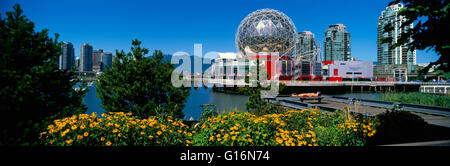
(431, 22)
(141, 85)
(33, 90)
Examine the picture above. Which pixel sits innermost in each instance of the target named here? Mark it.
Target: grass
(418, 98)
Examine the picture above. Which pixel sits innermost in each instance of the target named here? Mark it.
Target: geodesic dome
(266, 30)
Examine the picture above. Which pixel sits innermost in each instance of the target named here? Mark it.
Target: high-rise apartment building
(399, 60)
(337, 44)
(67, 59)
(97, 59)
(86, 59)
(306, 46)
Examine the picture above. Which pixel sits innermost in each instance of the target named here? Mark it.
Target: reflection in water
(192, 107)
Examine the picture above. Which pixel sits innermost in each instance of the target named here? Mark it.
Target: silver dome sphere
(266, 30)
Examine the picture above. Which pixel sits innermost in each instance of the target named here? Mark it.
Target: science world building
(266, 30)
(270, 37)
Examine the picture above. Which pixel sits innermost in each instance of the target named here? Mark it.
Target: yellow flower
(233, 137)
(69, 141)
(108, 143)
(276, 121)
(250, 140)
(51, 141)
(150, 136)
(211, 138)
(159, 132)
(279, 140)
(86, 134)
(117, 125)
(79, 137)
(142, 133)
(102, 139)
(82, 126)
(115, 131)
(74, 127)
(119, 135)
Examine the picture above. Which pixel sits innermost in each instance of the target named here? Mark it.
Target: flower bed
(118, 129)
(308, 127)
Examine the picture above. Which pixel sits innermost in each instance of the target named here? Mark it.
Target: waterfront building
(67, 58)
(106, 60)
(347, 70)
(306, 46)
(337, 44)
(86, 59)
(230, 66)
(400, 61)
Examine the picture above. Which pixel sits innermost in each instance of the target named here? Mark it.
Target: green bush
(399, 127)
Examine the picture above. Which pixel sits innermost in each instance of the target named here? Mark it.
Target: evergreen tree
(33, 90)
(141, 85)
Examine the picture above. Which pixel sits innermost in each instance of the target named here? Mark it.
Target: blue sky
(173, 26)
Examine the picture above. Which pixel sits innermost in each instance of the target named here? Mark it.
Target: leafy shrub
(333, 129)
(399, 126)
(116, 129)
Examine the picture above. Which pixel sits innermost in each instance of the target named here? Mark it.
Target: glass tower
(67, 59)
(86, 57)
(337, 45)
(400, 58)
(306, 46)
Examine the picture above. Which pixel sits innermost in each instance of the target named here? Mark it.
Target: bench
(319, 98)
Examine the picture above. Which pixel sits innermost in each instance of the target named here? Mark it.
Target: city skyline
(173, 27)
